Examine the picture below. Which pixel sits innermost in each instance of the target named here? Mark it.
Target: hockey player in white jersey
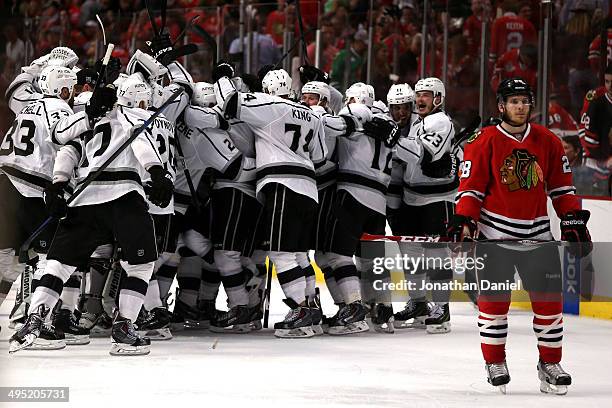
(113, 206)
(24, 89)
(290, 143)
(26, 168)
(363, 178)
(430, 183)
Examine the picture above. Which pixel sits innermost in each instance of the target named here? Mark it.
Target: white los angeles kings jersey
(202, 149)
(126, 173)
(364, 169)
(433, 133)
(26, 151)
(398, 167)
(22, 92)
(162, 133)
(289, 141)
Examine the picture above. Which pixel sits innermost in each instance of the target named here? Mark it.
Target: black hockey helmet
(514, 86)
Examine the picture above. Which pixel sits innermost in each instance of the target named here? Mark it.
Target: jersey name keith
(301, 115)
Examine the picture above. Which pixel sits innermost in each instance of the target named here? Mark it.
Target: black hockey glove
(574, 229)
(252, 82)
(112, 70)
(492, 121)
(161, 186)
(382, 129)
(446, 166)
(311, 73)
(54, 199)
(102, 101)
(223, 69)
(160, 45)
(460, 229)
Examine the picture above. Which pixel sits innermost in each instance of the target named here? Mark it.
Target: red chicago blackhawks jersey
(508, 32)
(504, 182)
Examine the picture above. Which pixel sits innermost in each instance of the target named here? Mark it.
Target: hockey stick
(152, 19)
(210, 41)
(295, 44)
(298, 15)
(267, 294)
(102, 73)
(163, 5)
(23, 250)
(467, 132)
(101, 27)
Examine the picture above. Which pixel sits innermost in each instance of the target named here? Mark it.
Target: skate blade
(157, 334)
(42, 344)
(74, 340)
(547, 388)
(299, 332)
(409, 324)
(351, 328)
(236, 328)
(197, 324)
(15, 346)
(317, 329)
(256, 325)
(438, 328)
(118, 349)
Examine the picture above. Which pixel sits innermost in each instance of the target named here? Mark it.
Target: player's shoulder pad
(544, 132)
(438, 122)
(482, 136)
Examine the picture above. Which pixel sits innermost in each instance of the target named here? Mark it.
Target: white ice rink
(407, 369)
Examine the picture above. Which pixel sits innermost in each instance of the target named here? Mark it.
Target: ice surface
(407, 369)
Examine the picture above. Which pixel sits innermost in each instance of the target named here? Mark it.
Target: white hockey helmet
(203, 94)
(434, 85)
(277, 82)
(400, 94)
(147, 65)
(55, 78)
(317, 88)
(359, 111)
(360, 93)
(133, 91)
(62, 57)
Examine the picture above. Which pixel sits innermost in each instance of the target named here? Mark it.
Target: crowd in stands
(33, 27)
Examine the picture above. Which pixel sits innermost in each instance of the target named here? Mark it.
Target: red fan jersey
(595, 51)
(560, 122)
(510, 65)
(508, 32)
(505, 182)
(585, 119)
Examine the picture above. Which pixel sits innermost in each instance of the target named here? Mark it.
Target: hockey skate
(413, 316)
(553, 379)
(314, 304)
(382, 318)
(325, 321)
(297, 323)
(93, 316)
(235, 320)
(125, 339)
(64, 321)
(35, 335)
(155, 324)
(351, 319)
(497, 375)
(438, 320)
(255, 316)
(188, 317)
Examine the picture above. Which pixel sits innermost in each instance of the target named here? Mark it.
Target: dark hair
(609, 69)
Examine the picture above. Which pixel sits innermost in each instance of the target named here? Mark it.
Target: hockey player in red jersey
(507, 174)
(510, 31)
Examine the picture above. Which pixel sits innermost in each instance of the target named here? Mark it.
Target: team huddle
(144, 177)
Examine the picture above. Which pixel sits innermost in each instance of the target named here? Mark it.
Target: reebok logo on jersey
(520, 170)
(140, 252)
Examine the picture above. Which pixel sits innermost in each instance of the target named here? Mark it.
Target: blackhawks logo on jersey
(474, 136)
(520, 170)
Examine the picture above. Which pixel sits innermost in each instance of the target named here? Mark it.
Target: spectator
(472, 28)
(89, 9)
(595, 49)
(328, 50)
(509, 32)
(355, 58)
(265, 51)
(15, 47)
(522, 63)
(560, 122)
(275, 22)
(381, 70)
